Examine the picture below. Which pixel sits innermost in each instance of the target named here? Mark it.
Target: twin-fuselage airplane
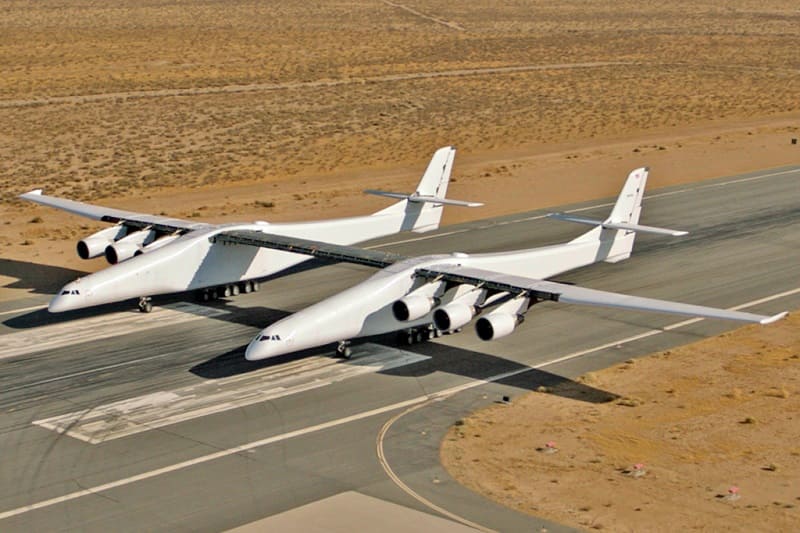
(154, 255)
(442, 293)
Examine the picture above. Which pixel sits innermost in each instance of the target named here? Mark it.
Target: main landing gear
(343, 350)
(145, 304)
(225, 291)
(419, 334)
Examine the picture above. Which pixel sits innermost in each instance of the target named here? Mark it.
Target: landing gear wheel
(343, 350)
(145, 305)
(247, 287)
(256, 286)
(235, 289)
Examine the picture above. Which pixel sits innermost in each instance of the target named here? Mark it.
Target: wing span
(560, 292)
(319, 249)
(114, 216)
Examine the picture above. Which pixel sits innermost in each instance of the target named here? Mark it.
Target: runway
(117, 420)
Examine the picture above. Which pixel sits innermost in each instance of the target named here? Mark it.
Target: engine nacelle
(453, 315)
(127, 246)
(496, 325)
(155, 245)
(95, 245)
(412, 307)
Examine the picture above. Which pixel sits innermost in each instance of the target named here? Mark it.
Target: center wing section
(114, 216)
(319, 249)
(539, 290)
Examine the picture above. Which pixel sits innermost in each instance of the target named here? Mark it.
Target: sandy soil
(700, 419)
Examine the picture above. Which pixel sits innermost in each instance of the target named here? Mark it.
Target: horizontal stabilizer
(423, 199)
(618, 225)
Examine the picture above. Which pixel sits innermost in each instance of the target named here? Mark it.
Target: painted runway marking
(164, 408)
(23, 310)
(436, 396)
(100, 327)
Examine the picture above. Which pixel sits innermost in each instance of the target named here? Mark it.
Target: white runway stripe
(100, 327)
(163, 408)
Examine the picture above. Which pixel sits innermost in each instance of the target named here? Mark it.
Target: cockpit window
(270, 338)
(64, 292)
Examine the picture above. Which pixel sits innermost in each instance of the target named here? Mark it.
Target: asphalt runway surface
(115, 420)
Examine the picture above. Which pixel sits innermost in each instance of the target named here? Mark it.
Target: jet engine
(95, 245)
(417, 304)
(453, 315)
(155, 245)
(502, 320)
(127, 246)
(496, 325)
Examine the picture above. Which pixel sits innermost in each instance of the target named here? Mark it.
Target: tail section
(423, 209)
(615, 235)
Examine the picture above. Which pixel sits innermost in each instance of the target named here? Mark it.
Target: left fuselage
(195, 261)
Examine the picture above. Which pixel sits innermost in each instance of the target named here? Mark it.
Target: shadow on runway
(41, 279)
(441, 358)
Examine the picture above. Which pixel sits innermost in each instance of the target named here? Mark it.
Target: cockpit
(269, 338)
(70, 291)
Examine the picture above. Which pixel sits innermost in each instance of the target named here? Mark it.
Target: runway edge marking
(355, 417)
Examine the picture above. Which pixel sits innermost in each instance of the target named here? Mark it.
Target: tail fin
(616, 234)
(423, 209)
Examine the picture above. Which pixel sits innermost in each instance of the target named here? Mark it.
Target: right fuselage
(366, 309)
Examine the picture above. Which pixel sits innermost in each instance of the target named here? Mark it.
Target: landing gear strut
(145, 304)
(420, 334)
(225, 291)
(343, 350)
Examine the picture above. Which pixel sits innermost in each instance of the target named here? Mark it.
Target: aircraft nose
(264, 346)
(67, 299)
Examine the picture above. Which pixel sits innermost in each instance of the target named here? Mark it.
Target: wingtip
(35, 192)
(774, 318)
(679, 233)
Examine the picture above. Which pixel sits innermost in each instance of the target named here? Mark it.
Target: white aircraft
(441, 293)
(152, 255)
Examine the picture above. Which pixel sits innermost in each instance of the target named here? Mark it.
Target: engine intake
(453, 316)
(496, 325)
(95, 245)
(412, 307)
(126, 247)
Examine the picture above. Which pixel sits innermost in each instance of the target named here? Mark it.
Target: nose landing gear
(145, 304)
(343, 350)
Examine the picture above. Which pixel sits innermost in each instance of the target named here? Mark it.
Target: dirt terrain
(713, 426)
(228, 110)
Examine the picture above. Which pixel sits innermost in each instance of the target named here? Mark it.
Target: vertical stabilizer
(616, 244)
(421, 216)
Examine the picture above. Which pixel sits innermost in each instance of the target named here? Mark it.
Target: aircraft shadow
(41, 279)
(442, 358)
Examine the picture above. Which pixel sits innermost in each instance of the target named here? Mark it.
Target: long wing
(114, 216)
(560, 292)
(319, 249)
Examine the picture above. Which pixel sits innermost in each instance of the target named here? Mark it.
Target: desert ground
(230, 110)
(707, 422)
